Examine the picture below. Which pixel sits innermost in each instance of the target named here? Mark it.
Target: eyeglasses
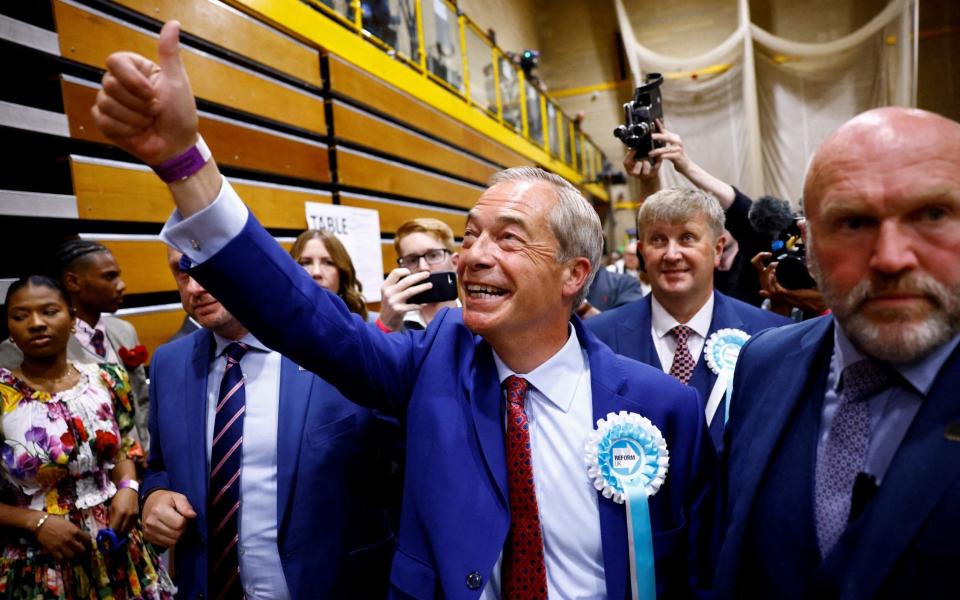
(433, 257)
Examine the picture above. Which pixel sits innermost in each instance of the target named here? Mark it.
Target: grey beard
(897, 338)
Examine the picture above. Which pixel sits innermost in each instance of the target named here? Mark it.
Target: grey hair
(573, 220)
(679, 205)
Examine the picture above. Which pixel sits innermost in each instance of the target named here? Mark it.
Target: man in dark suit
(610, 290)
(681, 237)
(312, 522)
(843, 465)
(471, 525)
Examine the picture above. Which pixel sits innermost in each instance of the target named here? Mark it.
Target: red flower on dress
(133, 357)
(80, 429)
(68, 441)
(105, 444)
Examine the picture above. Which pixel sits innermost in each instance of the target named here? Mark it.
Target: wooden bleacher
(281, 131)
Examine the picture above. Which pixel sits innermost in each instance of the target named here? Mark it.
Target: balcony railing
(445, 46)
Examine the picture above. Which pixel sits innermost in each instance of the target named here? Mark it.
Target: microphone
(770, 215)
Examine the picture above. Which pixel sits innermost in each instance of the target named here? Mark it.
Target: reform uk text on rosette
(627, 460)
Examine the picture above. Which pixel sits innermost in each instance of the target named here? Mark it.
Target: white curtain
(756, 124)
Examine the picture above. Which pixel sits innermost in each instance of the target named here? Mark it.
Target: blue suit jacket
(627, 330)
(444, 382)
(332, 535)
(905, 544)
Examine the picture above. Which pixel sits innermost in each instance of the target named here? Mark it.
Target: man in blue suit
(472, 525)
(681, 237)
(312, 525)
(843, 470)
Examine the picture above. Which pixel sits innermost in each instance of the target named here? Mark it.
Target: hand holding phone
(444, 289)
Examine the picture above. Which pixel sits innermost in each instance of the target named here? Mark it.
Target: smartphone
(444, 288)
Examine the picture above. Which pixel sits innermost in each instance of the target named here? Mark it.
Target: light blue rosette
(627, 459)
(721, 352)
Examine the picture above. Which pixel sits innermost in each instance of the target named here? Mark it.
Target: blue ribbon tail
(640, 538)
(726, 407)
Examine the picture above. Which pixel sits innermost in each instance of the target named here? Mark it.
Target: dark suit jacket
(905, 544)
(610, 290)
(627, 330)
(333, 532)
(444, 381)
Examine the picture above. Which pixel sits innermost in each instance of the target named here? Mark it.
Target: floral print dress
(56, 456)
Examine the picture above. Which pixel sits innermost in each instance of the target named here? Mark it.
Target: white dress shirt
(559, 409)
(666, 343)
(85, 333)
(261, 572)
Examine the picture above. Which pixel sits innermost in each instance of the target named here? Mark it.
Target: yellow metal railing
(445, 47)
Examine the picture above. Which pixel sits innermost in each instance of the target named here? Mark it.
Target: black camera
(640, 117)
(790, 255)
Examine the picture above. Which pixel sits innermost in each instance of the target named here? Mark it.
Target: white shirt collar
(663, 321)
(248, 339)
(85, 331)
(557, 378)
(920, 373)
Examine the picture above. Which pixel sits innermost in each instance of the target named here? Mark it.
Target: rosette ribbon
(721, 352)
(627, 459)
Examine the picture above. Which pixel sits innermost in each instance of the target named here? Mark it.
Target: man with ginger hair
(423, 246)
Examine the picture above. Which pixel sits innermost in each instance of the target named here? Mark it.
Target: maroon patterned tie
(96, 340)
(683, 365)
(524, 572)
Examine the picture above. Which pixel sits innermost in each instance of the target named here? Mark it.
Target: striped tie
(225, 459)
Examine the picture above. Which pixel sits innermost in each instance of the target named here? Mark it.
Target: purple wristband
(180, 167)
(132, 484)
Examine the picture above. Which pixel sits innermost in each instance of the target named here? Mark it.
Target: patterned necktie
(683, 365)
(224, 494)
(841, 457)
(96, 340)
(524, 572)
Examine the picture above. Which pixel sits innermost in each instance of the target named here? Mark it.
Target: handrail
(435, 71)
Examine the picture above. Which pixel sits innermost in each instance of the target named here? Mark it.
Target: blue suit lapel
(485, 402)
(925, 466)
(295, 390)
(784, 386)
(195, 413)
(635, 335)
(613, 523)
(704, 378)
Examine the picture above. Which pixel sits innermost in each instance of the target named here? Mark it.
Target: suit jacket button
(474, 580)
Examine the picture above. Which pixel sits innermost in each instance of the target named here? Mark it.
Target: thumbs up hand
(145, 108)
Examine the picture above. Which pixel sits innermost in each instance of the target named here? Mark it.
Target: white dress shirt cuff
(202, 235)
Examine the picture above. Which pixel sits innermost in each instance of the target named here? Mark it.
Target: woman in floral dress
(65, 474)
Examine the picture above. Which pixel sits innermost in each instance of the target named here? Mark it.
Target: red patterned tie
(683, 365)
(524, 573)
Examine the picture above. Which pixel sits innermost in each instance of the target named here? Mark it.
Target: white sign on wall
(359, 231)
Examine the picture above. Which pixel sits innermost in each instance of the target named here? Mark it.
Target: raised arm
(673, 151)
(148, 109)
